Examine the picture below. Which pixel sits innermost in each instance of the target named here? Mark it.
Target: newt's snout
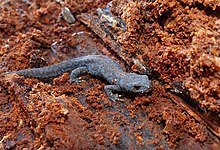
(148, 87)
(142, 87)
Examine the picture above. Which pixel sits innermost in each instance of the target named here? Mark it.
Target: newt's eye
(137, 87)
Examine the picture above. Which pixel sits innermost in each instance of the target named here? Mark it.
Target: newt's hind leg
(76, 72)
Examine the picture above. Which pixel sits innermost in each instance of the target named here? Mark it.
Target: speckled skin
(96, 65)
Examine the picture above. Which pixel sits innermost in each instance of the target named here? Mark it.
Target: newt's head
(135, 83)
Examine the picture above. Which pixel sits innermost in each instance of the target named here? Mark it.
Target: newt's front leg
(109, 89)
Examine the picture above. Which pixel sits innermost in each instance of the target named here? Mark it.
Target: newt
(96, 65)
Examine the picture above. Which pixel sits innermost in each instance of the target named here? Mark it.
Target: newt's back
(97, 65)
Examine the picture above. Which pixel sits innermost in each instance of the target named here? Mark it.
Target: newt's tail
(45, 72)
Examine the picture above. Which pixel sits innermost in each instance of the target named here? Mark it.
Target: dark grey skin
(96, 65)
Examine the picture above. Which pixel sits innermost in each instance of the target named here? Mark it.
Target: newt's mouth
(147, 90)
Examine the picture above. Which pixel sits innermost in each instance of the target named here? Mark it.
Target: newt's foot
(109, 89)
(76, 80)
(115, 97)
